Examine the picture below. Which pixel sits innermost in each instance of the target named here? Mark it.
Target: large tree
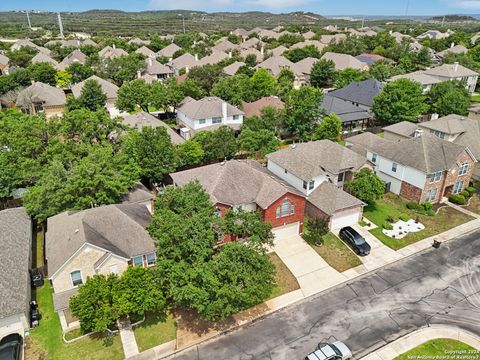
(92, 96)
(302, 109)
(449, 97)
(323, 73)
(346, 76)
(262, 141)
(43, 72)
(400, 100)
(233, 89)
(80, 72)
(262, 84)
(206, 76)
(367, 186)
(85, 126)
(218, 144)
(330, 128)
(189, 153)
(133, 94)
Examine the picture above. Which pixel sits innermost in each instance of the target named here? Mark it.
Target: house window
(76, 278)
(438, 134)
(340, 177)
(286, 209)
(305, 185)
(431, 195)
(216, 120)
(458, 187)
(394, 167)
(150, 259)
(311, 184)
(434, 177)
(137, 260)
(201, 121)
(236, 117)
(374, 158)
(463, 169)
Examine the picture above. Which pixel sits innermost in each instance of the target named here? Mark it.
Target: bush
(412, 205)
(390, 219)
(476, 185)
(427, 206)
(457, 199)
(387, 226)
(471, 190)
(404, 217)
(314, 229)
(465, 194)
(430, 212)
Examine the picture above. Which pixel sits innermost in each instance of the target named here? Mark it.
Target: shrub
(387, 226)
(404, 217)
(314, 229)
(457, 199)
(476, 185)
(412, 205)
(363, 223)
(427, 206)
(390, 219)
(430, 212)
(471, 190)
(465, 194)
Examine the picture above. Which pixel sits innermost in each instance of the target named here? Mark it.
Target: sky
(322, 7)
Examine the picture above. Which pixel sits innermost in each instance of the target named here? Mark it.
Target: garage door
(286, 231)
(339, 221)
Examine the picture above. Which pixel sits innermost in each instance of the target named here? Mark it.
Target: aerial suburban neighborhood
(239, 180)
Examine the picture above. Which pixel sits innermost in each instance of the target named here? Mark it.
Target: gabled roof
(345, 110)
(402, 128)
(240, 32)
(308, 35)
(311, 159)
(450, 71)
(119, 229)
(330, 198)
(252, 42)
(109, 52)
(327, 39)
(224, 46)
(279, 50)
(4, 60)
(169, 50)
(89, 42)
(237, 182)
(206, 108)
(457, 49)
(426, 153)
(138, 194)
(275, 64)
(451, 124)
(344, 61)
(360, 92)
(15, 256)
(419, 76)
(233, 68)
(138, 41)
(41, 93)
(183, 61)
(304, 66)
(108, 88)
(74, 56)
(371, 59)
(41, 57)
(154, 67)
(255, 108)
(142, 119)
(319, 45)
(214, 58)
(244, 53)
(145, 51)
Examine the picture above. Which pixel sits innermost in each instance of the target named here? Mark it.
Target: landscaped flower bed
(401, 228)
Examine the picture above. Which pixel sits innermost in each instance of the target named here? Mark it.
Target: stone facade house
(41, 98)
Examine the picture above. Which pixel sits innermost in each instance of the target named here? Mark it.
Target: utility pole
(60, 25)
(183, 21)
(28, 18)
(363, 23)
(443, 20)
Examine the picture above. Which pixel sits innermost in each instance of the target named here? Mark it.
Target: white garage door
(286, 231)
(340, 221)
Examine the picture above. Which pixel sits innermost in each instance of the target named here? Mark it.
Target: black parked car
(11, 347)
(355, 241)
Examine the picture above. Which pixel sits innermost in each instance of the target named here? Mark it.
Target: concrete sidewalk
(421, 336)
(127, 337)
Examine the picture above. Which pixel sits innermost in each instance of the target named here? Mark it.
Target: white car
(334, 351)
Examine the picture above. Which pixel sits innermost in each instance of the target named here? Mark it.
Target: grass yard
(37, 253)
(474, 204)
(393, 205)
(475, 98)
(336, 253)
(155, 330)
(45, 341)
(284, 279)
(438, 348)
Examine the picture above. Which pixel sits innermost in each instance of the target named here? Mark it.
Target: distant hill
(453, 18)
(122, 23)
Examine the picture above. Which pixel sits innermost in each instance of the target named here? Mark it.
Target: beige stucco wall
(112, 262)
(54, 111)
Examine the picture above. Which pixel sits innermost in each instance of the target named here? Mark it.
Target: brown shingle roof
(330, 199)
(206, 108)
(255, 108)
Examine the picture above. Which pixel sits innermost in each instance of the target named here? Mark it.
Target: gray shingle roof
(450, 71)
(360, 92)
(183, 61)
(403, 128)
(138, 194)
(330, 199)
(61, 300)
(275, 64)
(426, 153)
(344, 61)
(15, 256)
(304, 66)
(41, 93)
(312, 159)
(141, 119)
(145, 51)
(169, 50)
(233, 68)
(109, 52)
(214, 58)
(74, 56)
(108, 88)
(119, 229)
(236, 182)
(206, 108)
(419, 76)
(154, 67)
(41, 57)
(4, 60)
(343, 109)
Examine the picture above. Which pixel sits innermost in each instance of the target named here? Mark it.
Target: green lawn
(45, 341)
(438, 348)
(38, 249)
(475, 98)
(336, 253)
(155, 330)
(393, 205)
(284, 279)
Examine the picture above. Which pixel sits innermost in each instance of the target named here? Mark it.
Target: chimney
(455, 66)
(452, 45)
(434, 116)
(150, 61)
(224, 112)
(262, 50)
(229, 54)
(114, 46)
(187, 69)
(170, 59)
(194, 42)
(196, 57)
(139, 74)
(390, 32)
(418, 133)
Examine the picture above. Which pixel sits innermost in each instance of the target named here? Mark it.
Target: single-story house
(345, 61)
(111, 52)
(15, 263)
(108, 88)
(41, 98)
(353, 117)
(102, 240)
(169, 50)
(255, 108)
(41, 57)
(359, 93)
(73, 57)
(275, 64)
(232, 69)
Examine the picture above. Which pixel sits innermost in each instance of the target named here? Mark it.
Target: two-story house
(101, 240)
(458, 129)
(248, 185)
(319, 169)
(424, 168)
(206, 114)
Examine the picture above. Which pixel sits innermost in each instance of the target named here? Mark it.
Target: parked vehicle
(355, 241)
(11, 347)
(334, 351)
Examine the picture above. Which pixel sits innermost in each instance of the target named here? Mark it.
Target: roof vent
(76, 231)
(418, 133)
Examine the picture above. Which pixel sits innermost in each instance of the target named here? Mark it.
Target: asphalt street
(437, 286)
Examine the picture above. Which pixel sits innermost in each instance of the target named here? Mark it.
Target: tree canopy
(448, 97)
(367, 186)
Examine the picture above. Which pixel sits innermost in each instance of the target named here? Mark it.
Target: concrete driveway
(312, 272)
